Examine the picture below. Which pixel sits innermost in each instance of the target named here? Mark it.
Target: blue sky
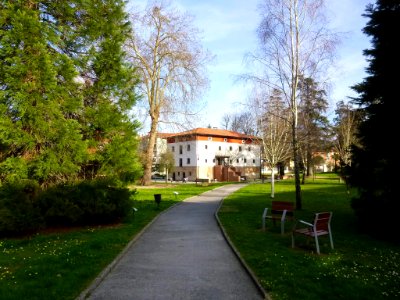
(229, 32)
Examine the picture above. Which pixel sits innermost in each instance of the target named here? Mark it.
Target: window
(188, 161)
(210, 138)
(240, 148)
(179, 173)
(237, 160)
(230, 148)
(219, 148)
(180, 163)
(254, 161)
(173, 148)
(180, 149)
(206, 160)
(188, 147)
(206, 146)
(230, 161)
(225, 139)
(244, 160)
(190, 173)
(249, 149)
(214, 160)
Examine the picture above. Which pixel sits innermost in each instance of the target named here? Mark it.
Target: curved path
(181, 255)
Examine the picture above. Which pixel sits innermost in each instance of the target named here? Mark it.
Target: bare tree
(274, 125)
(226, 121)
(170, 61)
(293, 42)
(167, 163)
(243, 122)
(345, 128)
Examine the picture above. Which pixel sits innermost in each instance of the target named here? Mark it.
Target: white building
(214, 154)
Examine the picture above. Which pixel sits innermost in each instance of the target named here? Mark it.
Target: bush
(25, 208)
(89, 202)
(19, 212)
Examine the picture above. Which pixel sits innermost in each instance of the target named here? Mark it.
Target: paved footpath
(182, 255)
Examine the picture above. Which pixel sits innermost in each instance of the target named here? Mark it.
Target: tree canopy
(375, 158)
(65, 91)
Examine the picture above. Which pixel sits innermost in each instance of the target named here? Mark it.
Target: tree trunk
(150, 152)
(272, 182)
(296, 166)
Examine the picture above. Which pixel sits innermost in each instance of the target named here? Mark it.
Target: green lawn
(358, 268)
(61, 264)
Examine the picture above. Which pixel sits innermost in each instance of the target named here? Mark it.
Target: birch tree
(275, 131)
(165, 48)
(294, 42)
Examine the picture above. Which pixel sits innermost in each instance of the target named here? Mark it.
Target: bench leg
(264, 217)
(292, 239)
(330, 237)
(317, 244)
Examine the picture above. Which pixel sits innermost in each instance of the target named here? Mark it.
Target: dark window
(254, 161)
(180, 149)
(230, 148)
(188, 148)
(173, 148)
(206, 159)
(240, 148)
(206, 147)
(188, 161)
(219, 148)
(180, 163)
(245, 160)
(237, 160)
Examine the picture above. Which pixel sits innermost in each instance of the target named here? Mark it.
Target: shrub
(25, 208)
(88, 202)
(19, 212)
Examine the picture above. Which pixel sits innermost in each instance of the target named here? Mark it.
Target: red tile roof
(214, 132)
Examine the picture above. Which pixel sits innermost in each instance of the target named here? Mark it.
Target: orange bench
(280, 211)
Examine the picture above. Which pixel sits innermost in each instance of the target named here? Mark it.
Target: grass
(59, 265)
(359, 267)
(62, 263)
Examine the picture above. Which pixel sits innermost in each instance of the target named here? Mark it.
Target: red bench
(280, 211)
(320, 226)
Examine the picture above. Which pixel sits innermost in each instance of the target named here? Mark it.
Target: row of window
(206, 147)
(230, 161)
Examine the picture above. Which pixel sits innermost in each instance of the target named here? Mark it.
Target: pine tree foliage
(313, 124)
(375, 160)
(65, 91)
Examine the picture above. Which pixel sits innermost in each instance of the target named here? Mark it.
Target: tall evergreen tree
(312, 122)
(38, 138)
(65, 91)
(375, 160)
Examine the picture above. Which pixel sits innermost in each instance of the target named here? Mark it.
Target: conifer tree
(65, 91)
(375, 160)
(38, 138)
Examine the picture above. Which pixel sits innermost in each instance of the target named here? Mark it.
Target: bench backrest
(279, 206)
(322, 221)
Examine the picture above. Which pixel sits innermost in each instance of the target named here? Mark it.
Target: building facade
(214, 154)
